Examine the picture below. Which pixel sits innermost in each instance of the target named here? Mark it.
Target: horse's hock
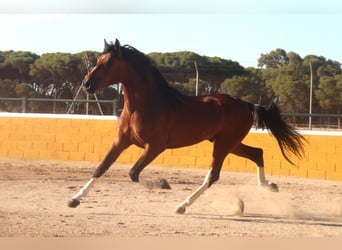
(88, 138)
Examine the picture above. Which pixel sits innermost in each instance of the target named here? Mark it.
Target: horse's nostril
(89, 86)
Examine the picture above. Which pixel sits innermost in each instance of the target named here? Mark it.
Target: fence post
(115, 107)
(23, 104)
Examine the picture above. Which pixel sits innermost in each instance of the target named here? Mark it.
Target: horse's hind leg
(189, 200)
(221, 149)
(255, 155)
(112, 155)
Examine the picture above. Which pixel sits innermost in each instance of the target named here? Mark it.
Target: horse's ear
(105, 43)
(117, 47)
(117, 43)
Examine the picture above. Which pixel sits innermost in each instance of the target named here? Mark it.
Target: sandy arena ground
(34, 195)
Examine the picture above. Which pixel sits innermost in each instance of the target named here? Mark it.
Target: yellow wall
(80, 138)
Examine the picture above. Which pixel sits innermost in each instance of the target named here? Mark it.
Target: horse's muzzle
(89, 86)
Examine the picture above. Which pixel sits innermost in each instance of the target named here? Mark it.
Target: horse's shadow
(305, 219)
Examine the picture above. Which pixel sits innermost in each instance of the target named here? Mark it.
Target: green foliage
(329, 93)
(274, 59)
(52, 71)
(179, 67)
(249, 88)
(288, 76)
(7, 89)
(189, 88)
(292, 89)
(16, 65)
(280, 73)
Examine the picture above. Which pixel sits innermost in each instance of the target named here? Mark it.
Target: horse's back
(201, 118)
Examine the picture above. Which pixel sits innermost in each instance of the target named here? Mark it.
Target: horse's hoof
(180, 210)
(164, 184)
(73, 203)
(240, 207)
(273, 187)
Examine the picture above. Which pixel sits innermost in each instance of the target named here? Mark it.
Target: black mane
(144, 65)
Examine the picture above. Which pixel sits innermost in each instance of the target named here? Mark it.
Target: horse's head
(106, 71)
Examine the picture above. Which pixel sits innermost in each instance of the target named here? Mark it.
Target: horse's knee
(256, 155)
(214, 178)
(99, 171)
(134, 175)
(259, 157)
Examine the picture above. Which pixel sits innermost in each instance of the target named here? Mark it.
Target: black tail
(289, 140)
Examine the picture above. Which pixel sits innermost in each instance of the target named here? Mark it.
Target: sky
(237, 30)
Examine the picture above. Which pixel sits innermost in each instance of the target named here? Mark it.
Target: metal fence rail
(24, 101)
(326, 121)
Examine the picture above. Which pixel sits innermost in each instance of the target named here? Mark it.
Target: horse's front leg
(118, 146)
(149, 154)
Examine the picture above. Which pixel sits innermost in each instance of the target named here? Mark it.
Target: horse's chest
(141, 131)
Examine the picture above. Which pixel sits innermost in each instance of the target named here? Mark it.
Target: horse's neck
(138, 95)
(144, 93)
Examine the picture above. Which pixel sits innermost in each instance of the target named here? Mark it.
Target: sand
(34, 195)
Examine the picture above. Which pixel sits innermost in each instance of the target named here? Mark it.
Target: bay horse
(157, 117)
